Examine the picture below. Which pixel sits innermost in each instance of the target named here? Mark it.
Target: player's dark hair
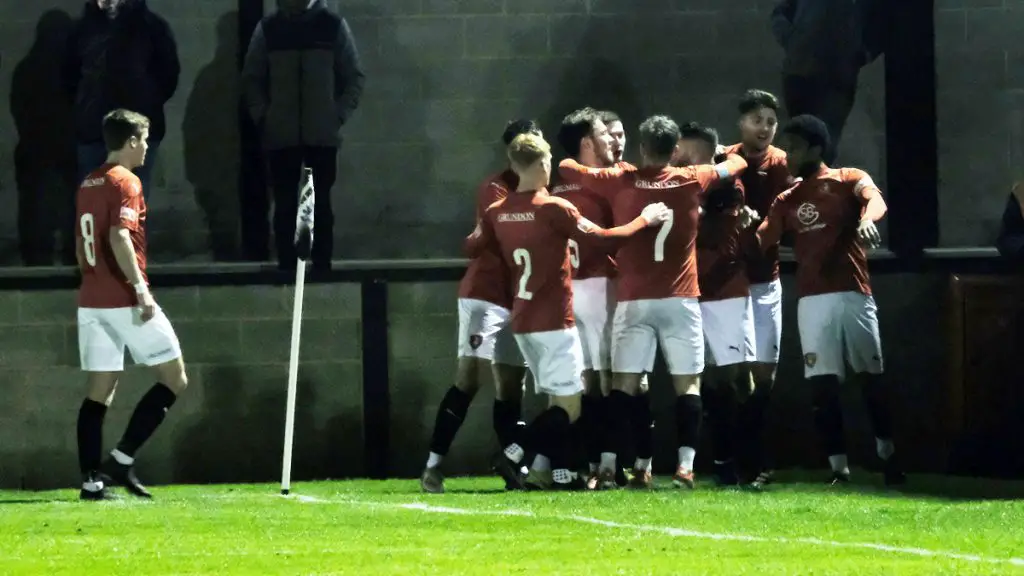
(697, 131)
(575, 127)
(608, 117)
(519, 126)
(119, 126)
(811, 129)
(659, 136)
(754, 99)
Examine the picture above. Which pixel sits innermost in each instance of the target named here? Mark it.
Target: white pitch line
(673, 532)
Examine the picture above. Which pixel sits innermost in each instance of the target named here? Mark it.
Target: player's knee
(591, 382)
(645, 384)
(172, 374)
(628, 383)
(102, 386)
(872, 386)
(826, 389)
(763, 373)
(509, 382)
(573, 405)
(605, 377)
(686, 384)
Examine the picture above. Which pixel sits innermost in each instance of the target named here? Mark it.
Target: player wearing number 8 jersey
(116, 309)
(657, 288)
(833, 213)
(530, 230)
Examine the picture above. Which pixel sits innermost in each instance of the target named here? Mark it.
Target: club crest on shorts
(475, 341)
(810, 359)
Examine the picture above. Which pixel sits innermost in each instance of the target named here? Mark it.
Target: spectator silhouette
(120, 55)
(1011, 231)
(44, 158)
(211, 138)
(826, 44)
(302, 80)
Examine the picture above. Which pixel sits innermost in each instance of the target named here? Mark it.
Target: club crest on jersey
(810, 359)
(475, 341)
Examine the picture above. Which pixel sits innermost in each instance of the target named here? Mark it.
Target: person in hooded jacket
(120, 55)
(301, 81)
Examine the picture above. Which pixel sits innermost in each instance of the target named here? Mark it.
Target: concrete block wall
(443, 77)
(422, 331)
(980, 97)
(229, 425)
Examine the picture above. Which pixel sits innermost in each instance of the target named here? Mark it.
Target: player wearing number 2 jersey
(832, 214)
(530, 230)
(116, 309)
(657, 289)
(485, 341)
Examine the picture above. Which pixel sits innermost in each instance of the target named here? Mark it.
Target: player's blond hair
(528, 149)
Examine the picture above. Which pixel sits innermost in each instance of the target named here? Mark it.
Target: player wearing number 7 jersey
(116, 309)
(657, 289)
(530, 230)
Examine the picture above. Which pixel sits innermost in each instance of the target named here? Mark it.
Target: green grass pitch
(389, 527)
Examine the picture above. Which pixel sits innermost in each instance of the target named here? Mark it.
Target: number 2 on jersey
(659, 241)
(87, 225)
(522, 258)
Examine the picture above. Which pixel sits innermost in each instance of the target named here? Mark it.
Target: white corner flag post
(303, 247)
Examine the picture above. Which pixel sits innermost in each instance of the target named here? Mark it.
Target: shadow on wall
(238, 435)
(44, 158)
(393, 124)
(211, 139)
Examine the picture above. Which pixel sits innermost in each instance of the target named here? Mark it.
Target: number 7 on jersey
(659, 240)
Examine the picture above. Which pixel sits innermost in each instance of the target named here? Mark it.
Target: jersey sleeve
(489, 192)
(126, 211)
(708, 175)
(865, 189)
(481, 240)
(567, 221)
(601, 180)
(770, 231)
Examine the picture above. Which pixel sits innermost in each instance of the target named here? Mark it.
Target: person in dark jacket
(826, 43)
(119, 55)
(1011, 233)
(302, 80)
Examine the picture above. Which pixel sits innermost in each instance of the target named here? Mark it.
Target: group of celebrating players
(582, 281)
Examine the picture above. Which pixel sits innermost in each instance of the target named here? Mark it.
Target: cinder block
(323, 301)
(630, 6)
(34, 345)
(513, 7)
(422, 337)
(463, 6)
(423, 38)
(10, 305)
(210, 341)
(422, 298)
(253, 302)
(993, 28)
